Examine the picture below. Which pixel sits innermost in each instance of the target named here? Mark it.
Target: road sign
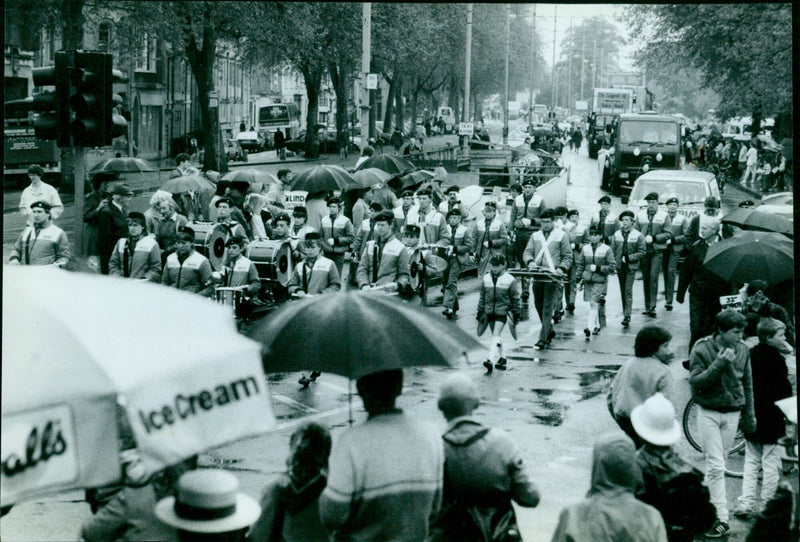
(372, 81)
(466, 128)
(581, 105)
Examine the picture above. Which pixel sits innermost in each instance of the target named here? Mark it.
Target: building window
(104, 37)
(147, 56)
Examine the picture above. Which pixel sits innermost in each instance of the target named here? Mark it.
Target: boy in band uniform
(337, 233)
(461, 243)
(595, 264)
(500, 299)
(576, 233)
(629, 247)
(679, 227)
(653, 224)
(491, 237)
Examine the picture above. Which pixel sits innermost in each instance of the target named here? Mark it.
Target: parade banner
(294, 198)
(733, 302)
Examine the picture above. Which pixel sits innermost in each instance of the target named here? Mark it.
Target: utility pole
(569, 68)
(583, 56)
(533, 66)
(465, 112)
(366, 28)
(555, 18)
(508, 53)
(594, 63)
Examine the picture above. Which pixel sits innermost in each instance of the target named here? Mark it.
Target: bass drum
(209, 240)
(273, 259)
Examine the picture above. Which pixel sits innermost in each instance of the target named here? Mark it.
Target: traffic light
(53, 114)
(93, 101)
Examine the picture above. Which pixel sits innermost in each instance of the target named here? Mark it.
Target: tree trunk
(373, 100)
(313, 80)
(399, 108)
(72, 32)
(452, 100)
(387, 116)
(757, 117)
(340, 86)
(202, 63)
(414, 100)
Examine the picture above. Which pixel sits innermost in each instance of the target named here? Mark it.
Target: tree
(743, 51)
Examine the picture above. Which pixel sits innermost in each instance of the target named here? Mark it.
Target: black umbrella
(125, 164)
(753, 219)
(355, 333)
(752, 255)
(388, 163)
(416, 178)
(324, 179)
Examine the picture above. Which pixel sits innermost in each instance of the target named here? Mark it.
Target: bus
(271, 116)
(21, 149)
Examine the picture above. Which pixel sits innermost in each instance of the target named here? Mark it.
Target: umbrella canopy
(368, 177)
(416, 178)
(126, 164)
(356, 334)
(77, 344)
(769, 144)
(752, 255)
(323, 179)
(187, 183)
(753, 219)
(256, 177)
(395, 165)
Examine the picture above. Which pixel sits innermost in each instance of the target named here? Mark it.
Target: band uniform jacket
(143, 262)
(519, 211)
(576, 234)
(497, 237)
(363, 235)
(49, 246)
(320, 278)
(500, 297)
(637, 248)
(234, 228)
(679, 228)
(393, 264)
(243, 272)
(658, 228)
(433, 226)
(401, 217)
(193, 275)
(340, 230)
(445, 207)
(558, 245)
(462, 243)
(609, 226)
(602, 257)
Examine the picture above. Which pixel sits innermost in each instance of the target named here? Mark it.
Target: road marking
(334, 387)
(296, 404)
(318, 416)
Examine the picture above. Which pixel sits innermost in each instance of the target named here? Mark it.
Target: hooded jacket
(611, 512)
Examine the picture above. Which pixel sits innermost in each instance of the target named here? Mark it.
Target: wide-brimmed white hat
(208, 501)
(654, 421)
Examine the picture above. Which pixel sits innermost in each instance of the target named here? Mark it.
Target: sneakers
(541, 345)
(488, 365)
(626, 322)
(744, 512)
(501, 364)
(449, 314)
(596, 331)
(718, 530)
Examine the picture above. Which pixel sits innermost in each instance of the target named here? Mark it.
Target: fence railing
(450, 157)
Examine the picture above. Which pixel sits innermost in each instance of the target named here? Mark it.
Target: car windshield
(685, 191)
(644, 131)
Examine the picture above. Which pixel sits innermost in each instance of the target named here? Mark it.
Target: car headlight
(636, 151)
(646, 168)
(659, 157)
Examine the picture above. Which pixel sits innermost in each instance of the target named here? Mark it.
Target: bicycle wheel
(734, 464)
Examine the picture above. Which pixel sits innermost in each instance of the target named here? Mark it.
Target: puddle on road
(548, 412)
(594, 383)
(276, 377)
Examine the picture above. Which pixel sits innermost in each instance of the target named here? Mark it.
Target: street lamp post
(508, 53)
(465, 112)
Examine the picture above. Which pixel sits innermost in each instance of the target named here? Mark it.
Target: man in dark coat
(280, 144)
(112, 223)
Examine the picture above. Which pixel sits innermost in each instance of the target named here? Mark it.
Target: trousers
(669, 266)
(626, 278)
(651, 267)
(767, 457)
(703, 310)
(544, 299)
(717, 432)
(450, 280)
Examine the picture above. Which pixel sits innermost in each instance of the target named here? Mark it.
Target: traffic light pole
(80, 181)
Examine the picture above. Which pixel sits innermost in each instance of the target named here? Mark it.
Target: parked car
(690, 187)
(781, 204)
(251, 141)
(234, 151)
(328, 144)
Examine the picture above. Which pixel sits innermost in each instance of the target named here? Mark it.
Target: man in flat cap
(385, 260)
(524, 221)
(629, 248)
(337, 233)
(652, 223)
(678, 226)
(136, 256)
(38, 190)
(407, 209)
(41, 243)
(605, 219)
(232, 227)
(112, 223)
(187, 269)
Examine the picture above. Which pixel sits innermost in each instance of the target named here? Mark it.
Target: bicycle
(734, 465)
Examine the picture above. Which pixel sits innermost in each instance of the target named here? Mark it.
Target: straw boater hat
(208, 501)
(654, 421)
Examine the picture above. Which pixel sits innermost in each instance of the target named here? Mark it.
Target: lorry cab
(643, 142)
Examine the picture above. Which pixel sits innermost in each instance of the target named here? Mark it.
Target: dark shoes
(668, 306)
(488, 365)
(304, 381)
(595, 331)
(541, 345)
(685, 364)
(450, 314)
(650, 312)
(501, 364)
(314, 375)
(557, 316)
(587, 332)
(626, 322)
(571, 308)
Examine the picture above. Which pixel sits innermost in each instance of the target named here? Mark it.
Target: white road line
(334, 387)
(296, 404)
(318, 416)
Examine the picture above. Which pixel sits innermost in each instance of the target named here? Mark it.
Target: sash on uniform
(546, 251)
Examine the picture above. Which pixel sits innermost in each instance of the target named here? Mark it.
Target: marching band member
(491, 237)
(298, 229)
(224, 208)
(560, 221)
(652, 223)
(629, 247)
(240, 270)
(337, 233)
(576, 233)
(42, 243)
(434, 230)
(280, 228)
(168, 226)
(410, 235)
(524, 220)
(500, 297)
(187, 269)
(452, 202)
(679, 228)
(560, 217)
(595, 263)
(365, 230)
(548, 248)
(407, 208)
(314, 275)
(605, 219)
(136, 256)
(385, 260)
(461, 243)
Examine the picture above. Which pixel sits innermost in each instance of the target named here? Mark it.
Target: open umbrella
(187, 183)
(74, 345)
(752, 255)
(395, 165)
(256, 177)
(416, 178)
(356, 334)
(753, 219)
(323, 179)
(368, 177)
(125, 164)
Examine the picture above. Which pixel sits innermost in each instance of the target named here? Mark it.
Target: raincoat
(611, 512)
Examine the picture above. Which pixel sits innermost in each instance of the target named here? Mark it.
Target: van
(689, 186)
(448, 117)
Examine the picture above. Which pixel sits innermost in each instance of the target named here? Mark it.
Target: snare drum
(273, 259)
(438, 251)
(209, 240)
(231, 297)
